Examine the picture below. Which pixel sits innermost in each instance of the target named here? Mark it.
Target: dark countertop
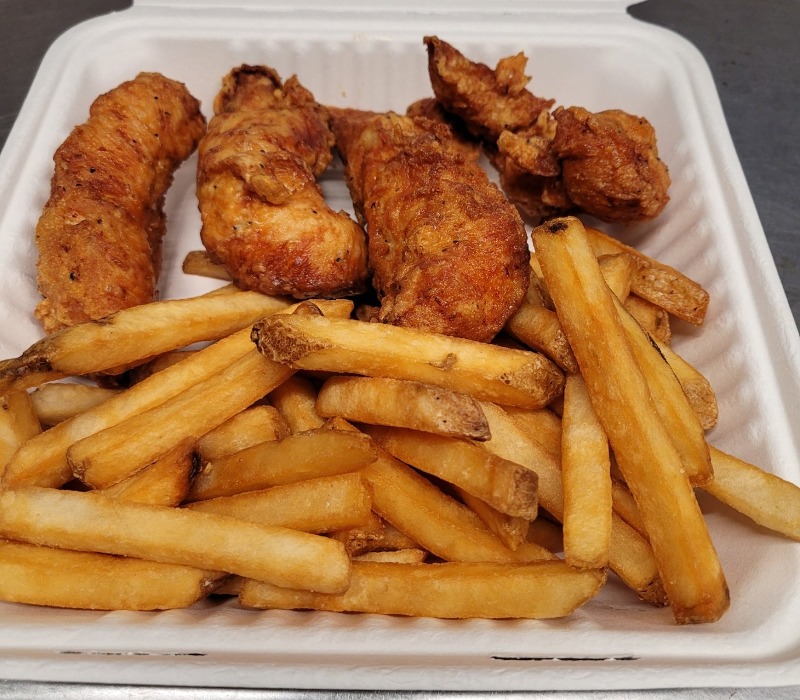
(754, 55)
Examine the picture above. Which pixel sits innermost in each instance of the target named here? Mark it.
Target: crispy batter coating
(99, 235)
(264, 215)
(430, 108)
(489, 101)
(610, 164)
(449, 252)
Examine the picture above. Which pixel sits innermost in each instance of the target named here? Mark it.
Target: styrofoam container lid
(370, 55)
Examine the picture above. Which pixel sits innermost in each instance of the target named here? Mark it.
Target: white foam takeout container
(366, 54)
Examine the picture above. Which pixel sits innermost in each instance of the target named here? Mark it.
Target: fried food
(264, 215)
(99, 235)
(449, 253)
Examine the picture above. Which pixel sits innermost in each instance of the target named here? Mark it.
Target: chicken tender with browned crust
(448, 251)
(610, 165)
(99, 236)
(264, 215)
(489, 101)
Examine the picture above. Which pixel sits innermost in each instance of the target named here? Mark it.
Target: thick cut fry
(547, 534)
(765, 498)
(504, 485)
(487, 372)
(296, 401)
(542, 424)
(364, 538)
(300, 456)
(69, 520)
(162, 361)
(657, 282)
(403, 404)
(135, 334)
(689, 566)
(511, 531)
(650, 317)
(115, 453)
(586, 469)
(315, 505)
(202, 263)
(618, 271)
(64, 579)
(163, 483)
(395, 556)
(60, 401)
(450, 590)
(252, 426)
(18, 424)
(697, 388)
(626, 507)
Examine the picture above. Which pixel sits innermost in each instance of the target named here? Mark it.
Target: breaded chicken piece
(488, 101)
(264, 216)
(99, 235)
(448, 251)
(610, 165)
(462, 139)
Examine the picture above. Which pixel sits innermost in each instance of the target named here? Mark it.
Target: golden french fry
(165, 359)
(625, 506)
(697, 388)
(394, 556)
(650, 317)
(547, 534)
(511, 531)
(115, 453)
(163, 483)
(85, 580)
(765, 498)
(655, 281)
(403, 404)
(490, 372)
(618, 269)
(135, 334)
(202, 263)
(319, 505)
(689, 566)
(18, 424)
(58, 401)
(450, 590)
(296, 401)
(69, 520)
(585, 465)
(505, 485)
(300, 456)
(363, 538)
(542, 424)
(250, 427)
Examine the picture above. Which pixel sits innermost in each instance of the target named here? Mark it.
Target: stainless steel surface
(754, 54)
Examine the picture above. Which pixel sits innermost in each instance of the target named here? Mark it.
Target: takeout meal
(498, 433)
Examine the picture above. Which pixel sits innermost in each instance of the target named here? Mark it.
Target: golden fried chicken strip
(264, 216)
(610, 164)
(462, 139)
(99, 235)
(448, 251)
(488, 101)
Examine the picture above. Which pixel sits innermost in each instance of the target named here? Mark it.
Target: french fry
(163, 483)
(319, 505)
(134, 334)
(65, 579)
(765, 498)
(69, 520)
(115, 453)
(542, 424)
(296, 400)
(203, 264)
(697, 388)
(547, 534)
(162, 361)
(395, 556)
(18, 424)
(657, 282)
(363, 538)
(58, 401)
(487, 372)
(403, 404)
(586, 468)
(250, 427)
(625, 506)
(449, 590)
(511, 531)
(618, 269)
(506, 486)
(689, 566)
(300, 456)
(650, 317)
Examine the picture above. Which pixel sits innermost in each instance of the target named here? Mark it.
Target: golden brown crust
(449, 253)
(264, 216)
(99, 235)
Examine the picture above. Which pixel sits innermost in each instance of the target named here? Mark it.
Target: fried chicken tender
(264, 216)
(429, 108)
(448, 251)
(99, 236)
(610, 165)
(488, 101)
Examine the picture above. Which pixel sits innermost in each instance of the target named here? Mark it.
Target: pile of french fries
(307, 459)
